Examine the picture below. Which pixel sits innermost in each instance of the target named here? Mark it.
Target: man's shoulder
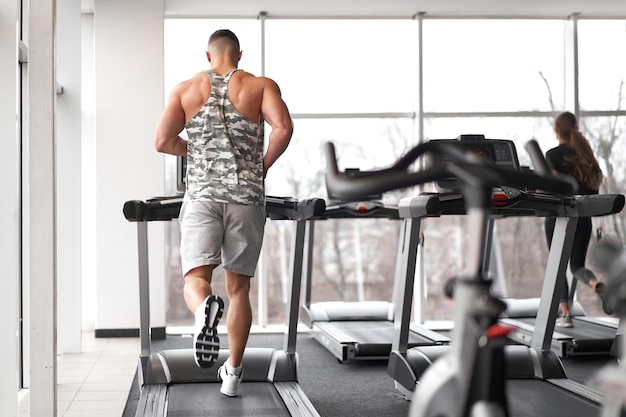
(247, 76)
(190, 85)
(196, 79)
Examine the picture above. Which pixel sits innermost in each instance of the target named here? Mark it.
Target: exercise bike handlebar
(354, 185)
(537, 158)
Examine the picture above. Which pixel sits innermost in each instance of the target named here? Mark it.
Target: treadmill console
(501, 152)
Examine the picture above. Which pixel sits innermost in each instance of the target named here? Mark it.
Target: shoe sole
(584, 275)
(601, 291)
(207, 343)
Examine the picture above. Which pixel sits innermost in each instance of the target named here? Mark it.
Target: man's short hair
(224, 41)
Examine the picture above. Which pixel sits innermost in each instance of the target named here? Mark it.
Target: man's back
(225, 147)
(244, 89)
(256, 98)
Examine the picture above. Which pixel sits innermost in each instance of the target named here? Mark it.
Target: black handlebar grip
(537, 158)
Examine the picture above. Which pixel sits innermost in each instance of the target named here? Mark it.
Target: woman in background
(574, 157)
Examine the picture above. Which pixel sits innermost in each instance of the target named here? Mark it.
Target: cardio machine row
(478, 374)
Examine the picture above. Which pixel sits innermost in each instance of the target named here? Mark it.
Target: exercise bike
(611, 257)
(468, 380)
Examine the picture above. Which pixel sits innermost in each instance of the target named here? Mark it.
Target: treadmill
(359, 330)
(172, 385)
(589, 336)
(536, 381)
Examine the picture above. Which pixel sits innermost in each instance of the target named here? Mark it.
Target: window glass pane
(185, 42)
(602, 64)
(444, 257)
(492, 65)
(370, 67)
(607, 136)
(352, 259)
(359, 143)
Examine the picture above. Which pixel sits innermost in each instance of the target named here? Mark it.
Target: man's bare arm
(277, 115)
(172, 121)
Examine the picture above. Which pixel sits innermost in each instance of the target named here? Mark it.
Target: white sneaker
(230, 383)
(565, 322)
(206, 345)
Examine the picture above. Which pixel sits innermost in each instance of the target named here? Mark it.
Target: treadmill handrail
(358, 209)
(277, 208)
(363, 183)
(524, 203)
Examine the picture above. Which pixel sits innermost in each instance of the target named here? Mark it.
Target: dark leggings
(579, 246)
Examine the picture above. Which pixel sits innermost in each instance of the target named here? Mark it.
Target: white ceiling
(391, 8)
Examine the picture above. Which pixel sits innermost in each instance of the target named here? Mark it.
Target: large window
(357, 83)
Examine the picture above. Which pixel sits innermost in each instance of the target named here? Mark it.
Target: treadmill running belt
(373, 338)
(536, 398)
(205, 400)
(375, 332)
(588, 337)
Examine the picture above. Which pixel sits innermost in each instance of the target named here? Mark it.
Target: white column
(41, 190)
(68, 171)
(88, 174)
(9, 209)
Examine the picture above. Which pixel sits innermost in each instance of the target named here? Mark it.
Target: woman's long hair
(585, 166)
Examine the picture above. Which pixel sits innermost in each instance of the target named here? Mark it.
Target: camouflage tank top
(224, 151)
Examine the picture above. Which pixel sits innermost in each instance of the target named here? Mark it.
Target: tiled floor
(96, 382)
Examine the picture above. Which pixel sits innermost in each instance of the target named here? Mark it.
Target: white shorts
(221, 233)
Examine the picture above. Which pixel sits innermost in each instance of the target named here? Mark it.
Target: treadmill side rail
(295, 399)
(577, 388)
(152, 401)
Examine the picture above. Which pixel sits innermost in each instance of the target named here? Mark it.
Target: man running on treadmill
(222, 217)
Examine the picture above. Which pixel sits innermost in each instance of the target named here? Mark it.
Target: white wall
(88, 175)
(9, 209)
(129, 98)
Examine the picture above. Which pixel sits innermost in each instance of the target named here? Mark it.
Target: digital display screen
(484, 151)
(499, 151)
